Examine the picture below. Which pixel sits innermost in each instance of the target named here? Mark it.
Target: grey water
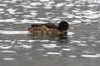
(81, 47)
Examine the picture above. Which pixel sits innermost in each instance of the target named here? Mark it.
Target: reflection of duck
(49, 29)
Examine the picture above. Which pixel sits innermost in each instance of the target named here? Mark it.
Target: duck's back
(48, 25)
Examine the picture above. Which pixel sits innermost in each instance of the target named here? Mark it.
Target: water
(79, 48)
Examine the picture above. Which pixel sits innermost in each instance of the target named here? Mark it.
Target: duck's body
(49, 29)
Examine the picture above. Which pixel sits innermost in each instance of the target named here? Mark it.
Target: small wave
(13, 32)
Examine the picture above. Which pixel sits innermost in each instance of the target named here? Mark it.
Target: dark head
(63, 26)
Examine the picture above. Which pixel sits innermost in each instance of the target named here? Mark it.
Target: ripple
(11, 11)
(70, 33)
(49, 45)
(44, 0)
(47, 7)
(4, 5)
(1, 9)
(8, 28)
(43, 18)
(27, 40)
(35, 4)
(7, 40)
(13, 32)
(97, 41)
(90, 56)
(44, 40)
(1, 24)
(66, 49)
(7, 20)
(82, 45)
(53, 53)
(60, 5)
(76, 21)
(69, 0)
(8, 51)
(91, 16)
(88, 12)
(12, 1)
(41, 49)
(9, 59)
(70, 16)
(75, 41)
(70, 5)
(27, 6)
(28, 16)
(5, 47)
(78, 17)
(33, 14)
(92, 37)
(92, 5)
(32, 21)
(55, 19)
(26, 46)
(73, 56)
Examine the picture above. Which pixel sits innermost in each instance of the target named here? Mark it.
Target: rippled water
(79, 48)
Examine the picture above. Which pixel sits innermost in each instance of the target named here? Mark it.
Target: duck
(49, 29)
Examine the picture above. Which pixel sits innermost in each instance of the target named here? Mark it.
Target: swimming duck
(49, 29)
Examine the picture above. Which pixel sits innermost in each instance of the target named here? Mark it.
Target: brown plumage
(49, 29)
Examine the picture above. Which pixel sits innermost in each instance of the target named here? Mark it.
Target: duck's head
(63, 26)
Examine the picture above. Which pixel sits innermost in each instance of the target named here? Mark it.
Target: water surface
(79, 48)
